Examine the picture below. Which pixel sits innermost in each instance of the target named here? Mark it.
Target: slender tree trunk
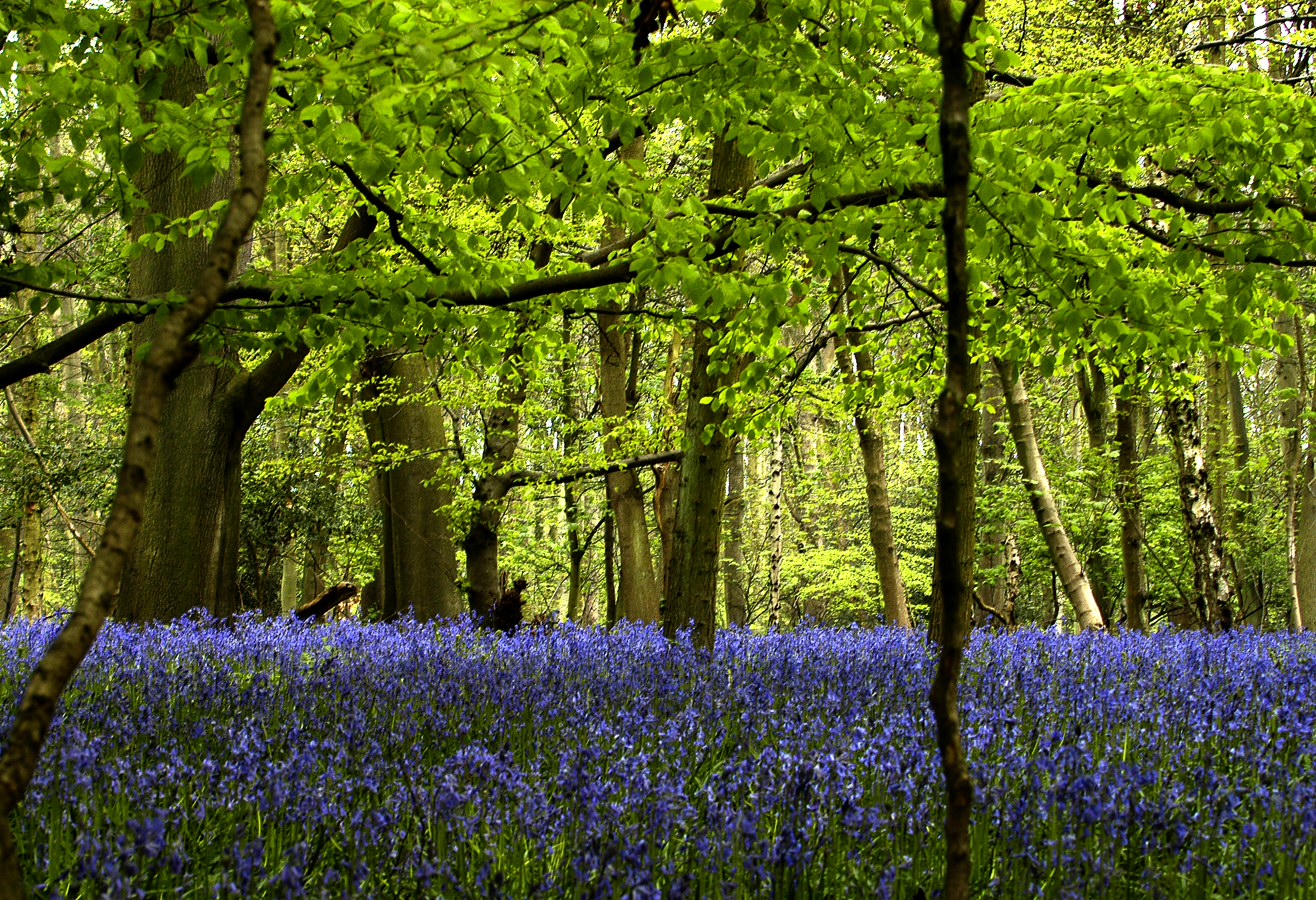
(501, 437)
(1300, 514)
(1094, 397)
(1212, 592)
(966, 468)
(951, 430)
(667, 477)
(405, 422)
(1128, 497)
(609, 572)
(166, 358)
(997, 538)
(1251, 593)
(776, 534)
(696, 536)
(733, 559)
(881, 530)
(1072, 577)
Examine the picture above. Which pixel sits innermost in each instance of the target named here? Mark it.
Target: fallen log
(326, 601)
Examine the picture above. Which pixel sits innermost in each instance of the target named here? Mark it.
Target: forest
(625, 448)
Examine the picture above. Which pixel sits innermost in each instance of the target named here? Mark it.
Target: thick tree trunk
(733, 558)
(1128, 497)
(1212, 592)
(404, 421)
(638, 597)
(1072, 577)
(696, 532)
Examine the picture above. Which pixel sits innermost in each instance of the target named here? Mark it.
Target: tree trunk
(733, 559)
(966, 468)
(502, 426)
(697, 531)
(954, 426)
(1094, 397)
(405, 422)
(667, 477)
(1212, 592)
(639, 597)
(997, 537)
(165, 359)
(776, 519)
(1128, 497)
(1299, 478)
(881, 529)
(1251, 592)
(1072, 577)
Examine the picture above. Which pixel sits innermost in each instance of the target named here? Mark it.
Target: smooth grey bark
(1128, 498)
(1078, 590)
(404, 423)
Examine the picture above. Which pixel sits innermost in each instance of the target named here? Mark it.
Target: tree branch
(40, 360)
(516, 479)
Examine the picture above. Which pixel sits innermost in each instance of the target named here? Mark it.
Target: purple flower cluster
(283, 760)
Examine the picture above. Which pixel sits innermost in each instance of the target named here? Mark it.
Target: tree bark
(1251, 593)
(881, 530)
(997, 537)
(639, 597)
(502, 426)
(950, 432)
(966, 468)
(169, 354)
(1299, 477)
(1212, 592)
(776, 534)
(733, 559)
(1094, 397)
(404, 421)
(1128, 497)
(1078, 591)
(697, 531)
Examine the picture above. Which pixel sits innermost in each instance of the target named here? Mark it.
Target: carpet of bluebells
(283, 760)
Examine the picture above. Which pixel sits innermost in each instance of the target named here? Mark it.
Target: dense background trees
(516, 289)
